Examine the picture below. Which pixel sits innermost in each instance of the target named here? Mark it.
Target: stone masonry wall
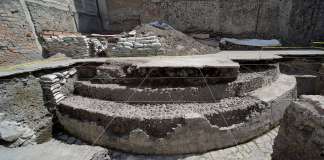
(51, 17)
(242, 18)
(306, 21)
(17, 40)
(22, 20)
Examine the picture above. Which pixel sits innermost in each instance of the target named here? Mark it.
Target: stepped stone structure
(156, 105)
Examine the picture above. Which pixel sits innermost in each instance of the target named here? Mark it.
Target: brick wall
(22, 20)
(50, 18)
(17, 41)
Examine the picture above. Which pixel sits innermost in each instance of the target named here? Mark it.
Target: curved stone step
(162, 128)
(176, 71)
(245, 82)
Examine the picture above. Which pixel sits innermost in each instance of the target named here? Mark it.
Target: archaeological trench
(161, 79)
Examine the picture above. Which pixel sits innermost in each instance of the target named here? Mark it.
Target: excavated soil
(176, 43)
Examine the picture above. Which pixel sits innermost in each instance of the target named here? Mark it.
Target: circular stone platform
(177, 128)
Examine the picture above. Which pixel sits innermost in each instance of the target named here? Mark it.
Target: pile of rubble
(13, 134)
(72, 45)
(150, 40)
(141, 45)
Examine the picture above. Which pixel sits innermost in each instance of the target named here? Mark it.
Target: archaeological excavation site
(161, 80)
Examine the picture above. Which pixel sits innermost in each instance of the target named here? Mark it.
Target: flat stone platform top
(250, 55)
(189, 62)
(267, 55)
(173, 70)
(232, 55)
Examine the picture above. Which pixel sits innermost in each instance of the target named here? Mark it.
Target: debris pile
(153, 39)
(14, 134)
(72, 45)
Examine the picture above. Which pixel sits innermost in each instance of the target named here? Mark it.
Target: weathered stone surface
(233, 55)
(10, 131)
(55, 150)
(257, 149)
(262, 19)
(161, 128)
(301, 132)
(51, 17)
(22, 100)
(2, 116)
(74, 46)
(248, 80)
(16, 134)
(56, 87)
(178, 71)
(18, 43)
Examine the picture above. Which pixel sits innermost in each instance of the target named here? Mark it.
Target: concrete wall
(87, 17)
(243, 18)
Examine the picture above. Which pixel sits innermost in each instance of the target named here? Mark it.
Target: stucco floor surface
(257, 149)
(54, 150)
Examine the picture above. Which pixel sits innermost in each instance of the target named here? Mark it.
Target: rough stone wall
(238, 17)
(51, 16)
(306, 21)
(65, 15)
(301, 131)
(74, 46)
(57, 86)
(22, 20)
(17, 40)
(21, 98)
(243, 18)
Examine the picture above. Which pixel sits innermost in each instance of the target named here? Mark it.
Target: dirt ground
(176, 43)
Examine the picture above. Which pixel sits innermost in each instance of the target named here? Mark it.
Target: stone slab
(233, 55)
(267, 55)
(242, 56)
(189, 62)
